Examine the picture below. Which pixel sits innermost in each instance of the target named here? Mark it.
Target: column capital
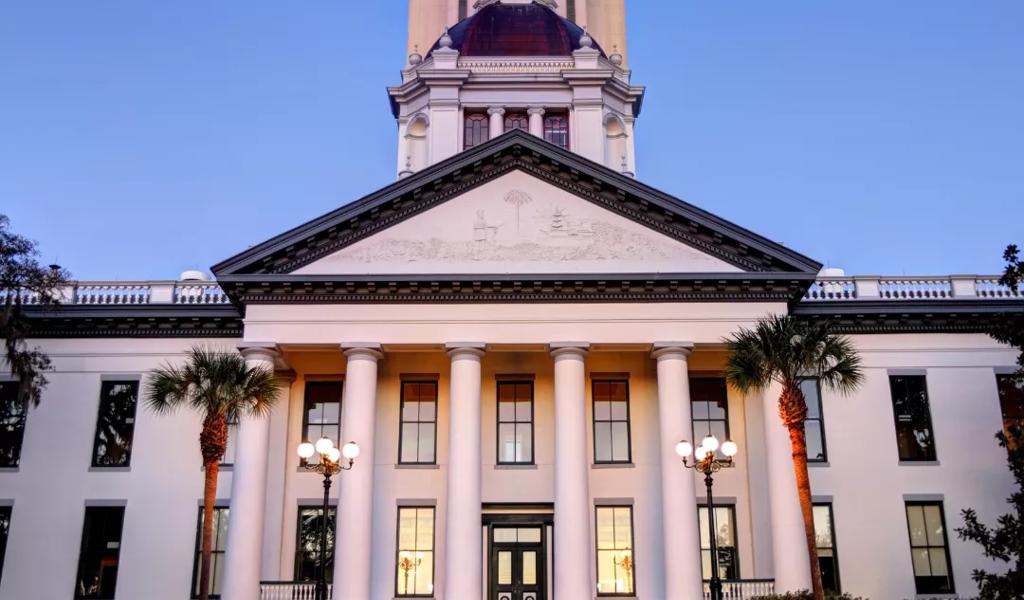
(672, 350)
(535, 110)
(259, 350)
(284, 376)
(496, 110)
(579, 349)
(457, 350)
(362, 350)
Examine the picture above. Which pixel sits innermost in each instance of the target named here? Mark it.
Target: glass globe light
(334, 455)
(700, 453)
(711, 443)
(306, 450)
(350, 451)
(730, 449)
(324, 445)
(684, 449)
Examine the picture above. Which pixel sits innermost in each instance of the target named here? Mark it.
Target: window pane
(115, 424)
(426, 443)
(815, 442)
(524, 443)
(411, 410)
(428, 410)
(505, 536)
(504, 568)
(410, 439)
(507, 445)
(322, 412)
(810, 389)
(614, 549)
(602, 411)
(603, 442)
(415, 562)
(915, 518)
(933, 524)
(822, 527)
(517, 121)
(307, 545)
(506, 411)
(529, 568)
(620, 411)
(922, 564)
(476, 130)
(620, 441)
(100, 552)
(12, 425)
(529, 535)
(605, 529)
(913, 418)
(728, 565)
(524, 411)
(424, 529)
(5, 529)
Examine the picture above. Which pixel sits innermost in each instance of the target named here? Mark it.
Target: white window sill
(110, 469)
(614, 465)
(923, 463)
(817, 464)
(524, 467)
(415, 467)
(9, 469)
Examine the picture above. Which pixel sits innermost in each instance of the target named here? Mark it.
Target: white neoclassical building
(516, 332)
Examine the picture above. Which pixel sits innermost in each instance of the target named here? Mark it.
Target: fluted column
(277, 462)
(573, 579)
(497, 115)
(354, 542)
(248, 493)
(536, 121)
(789, 543)
(683, 577)
(463, 566)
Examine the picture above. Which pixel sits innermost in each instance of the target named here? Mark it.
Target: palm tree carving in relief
(220, 387)
(787, 351)
(518, 199)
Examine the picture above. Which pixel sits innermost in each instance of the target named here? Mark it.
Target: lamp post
(705, 461)
(330, 464)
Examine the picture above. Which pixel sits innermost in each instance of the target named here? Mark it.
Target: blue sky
(139, 139)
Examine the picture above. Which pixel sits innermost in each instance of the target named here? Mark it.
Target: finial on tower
(585, 40)
(415, 58)
(446, 40)
(616, 56)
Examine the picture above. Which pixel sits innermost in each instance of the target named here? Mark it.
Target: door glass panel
(505, 536)
(529, 568)
(504, 568)
(529, 536)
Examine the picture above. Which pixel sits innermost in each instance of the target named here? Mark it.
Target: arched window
(475, 130)
(615, 144)
(556, 129)
(515, 120)
(416, 144)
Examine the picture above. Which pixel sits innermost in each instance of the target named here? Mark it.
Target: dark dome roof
(515, 30)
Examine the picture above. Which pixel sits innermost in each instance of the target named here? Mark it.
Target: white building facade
(516, 333)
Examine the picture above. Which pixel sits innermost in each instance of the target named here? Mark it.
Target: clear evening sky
(140, 138)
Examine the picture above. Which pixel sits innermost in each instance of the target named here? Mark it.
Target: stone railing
(123, 293)
(742, 589)
(289, 590)
(832, 289)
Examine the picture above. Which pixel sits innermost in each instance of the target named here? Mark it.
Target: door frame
(541, 520)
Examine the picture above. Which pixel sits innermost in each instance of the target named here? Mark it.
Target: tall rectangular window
(307, 543)
(1011, 401)
(556, 129)
(475, 129)
(415, 563)
(515, 422)
(615, 567)
(115, 425)
(710, 405)
(516, 120)
(914, 435)
(12, 424)
(463, 9)
(570, 10)
(725, 527)
(814, 425)
(5, 530)
(611, 421)
(418, 441)
(929, 548)
(219, 546)
(825, 540)
(321, 416)
(99, 553)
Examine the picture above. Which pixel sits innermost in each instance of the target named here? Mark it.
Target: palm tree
(789, 351)
(220, 387)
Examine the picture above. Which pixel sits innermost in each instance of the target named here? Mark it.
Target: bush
(806, 595)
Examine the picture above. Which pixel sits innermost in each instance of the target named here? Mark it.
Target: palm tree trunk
(793, 410)
(213, 439)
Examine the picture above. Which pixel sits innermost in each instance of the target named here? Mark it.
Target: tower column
(536, 121)
(497, 115)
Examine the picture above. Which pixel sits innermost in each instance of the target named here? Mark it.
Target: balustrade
(742, 589)
(289, 590)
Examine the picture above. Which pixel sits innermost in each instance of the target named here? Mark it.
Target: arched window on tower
(556, 129)
(475, 130)
(416, 143)
(615, 156)
(516, 120)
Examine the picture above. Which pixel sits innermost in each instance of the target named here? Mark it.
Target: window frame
(512, 118)
(305, 414)
(17, 437)
(628, 421)
(198, 549)
(557, 114)
(835, 545)
(945, 544)
(632, 548)
(693, 421)
(499, 422)
(402, 422)
(6, 513)
(485, 121)
(399, 550)
(79, 571)
(735, 538)
(934, 455)
(820, 420)
(105, 388)
(332, 510)
(1011, 379)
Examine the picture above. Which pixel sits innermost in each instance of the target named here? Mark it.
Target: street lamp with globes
(330, 464)
(707, 462)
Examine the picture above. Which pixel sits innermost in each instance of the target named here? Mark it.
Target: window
(229, 449)
(615, 566)
(307, 543)
(100, 551)
(115, 425)
(12, 424)
(556, 130)
(928, 547)
(913, 418)
(516, 120)
(462, 9)
(825, 540)
(322, 415)
(570, 9)
(218, 545)
(415, 566)
(515, 422)
(814, 425)
(710, 404)
(5, 530)
(728, 557)
(1011, 399)
(418, 441)
(611, 421)
(476, 130)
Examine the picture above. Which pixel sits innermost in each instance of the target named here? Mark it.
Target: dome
(500, 29)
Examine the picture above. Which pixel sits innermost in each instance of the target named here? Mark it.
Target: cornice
(136, 321)
(887, 316)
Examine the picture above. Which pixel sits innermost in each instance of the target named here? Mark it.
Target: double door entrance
(518, 562)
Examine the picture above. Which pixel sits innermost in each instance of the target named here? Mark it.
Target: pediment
(516, 223)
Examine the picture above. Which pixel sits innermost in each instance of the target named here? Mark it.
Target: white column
(497, 115)
(463, 567)
(683, 579)
(244, 550)
(277, 463)
(354, 542)
(536, 121)
(573, 550)
(789, 543)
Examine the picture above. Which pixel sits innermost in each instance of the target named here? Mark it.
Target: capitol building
(516, 331)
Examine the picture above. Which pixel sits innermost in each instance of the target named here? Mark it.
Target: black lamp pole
(709, 463)
(328, 468)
